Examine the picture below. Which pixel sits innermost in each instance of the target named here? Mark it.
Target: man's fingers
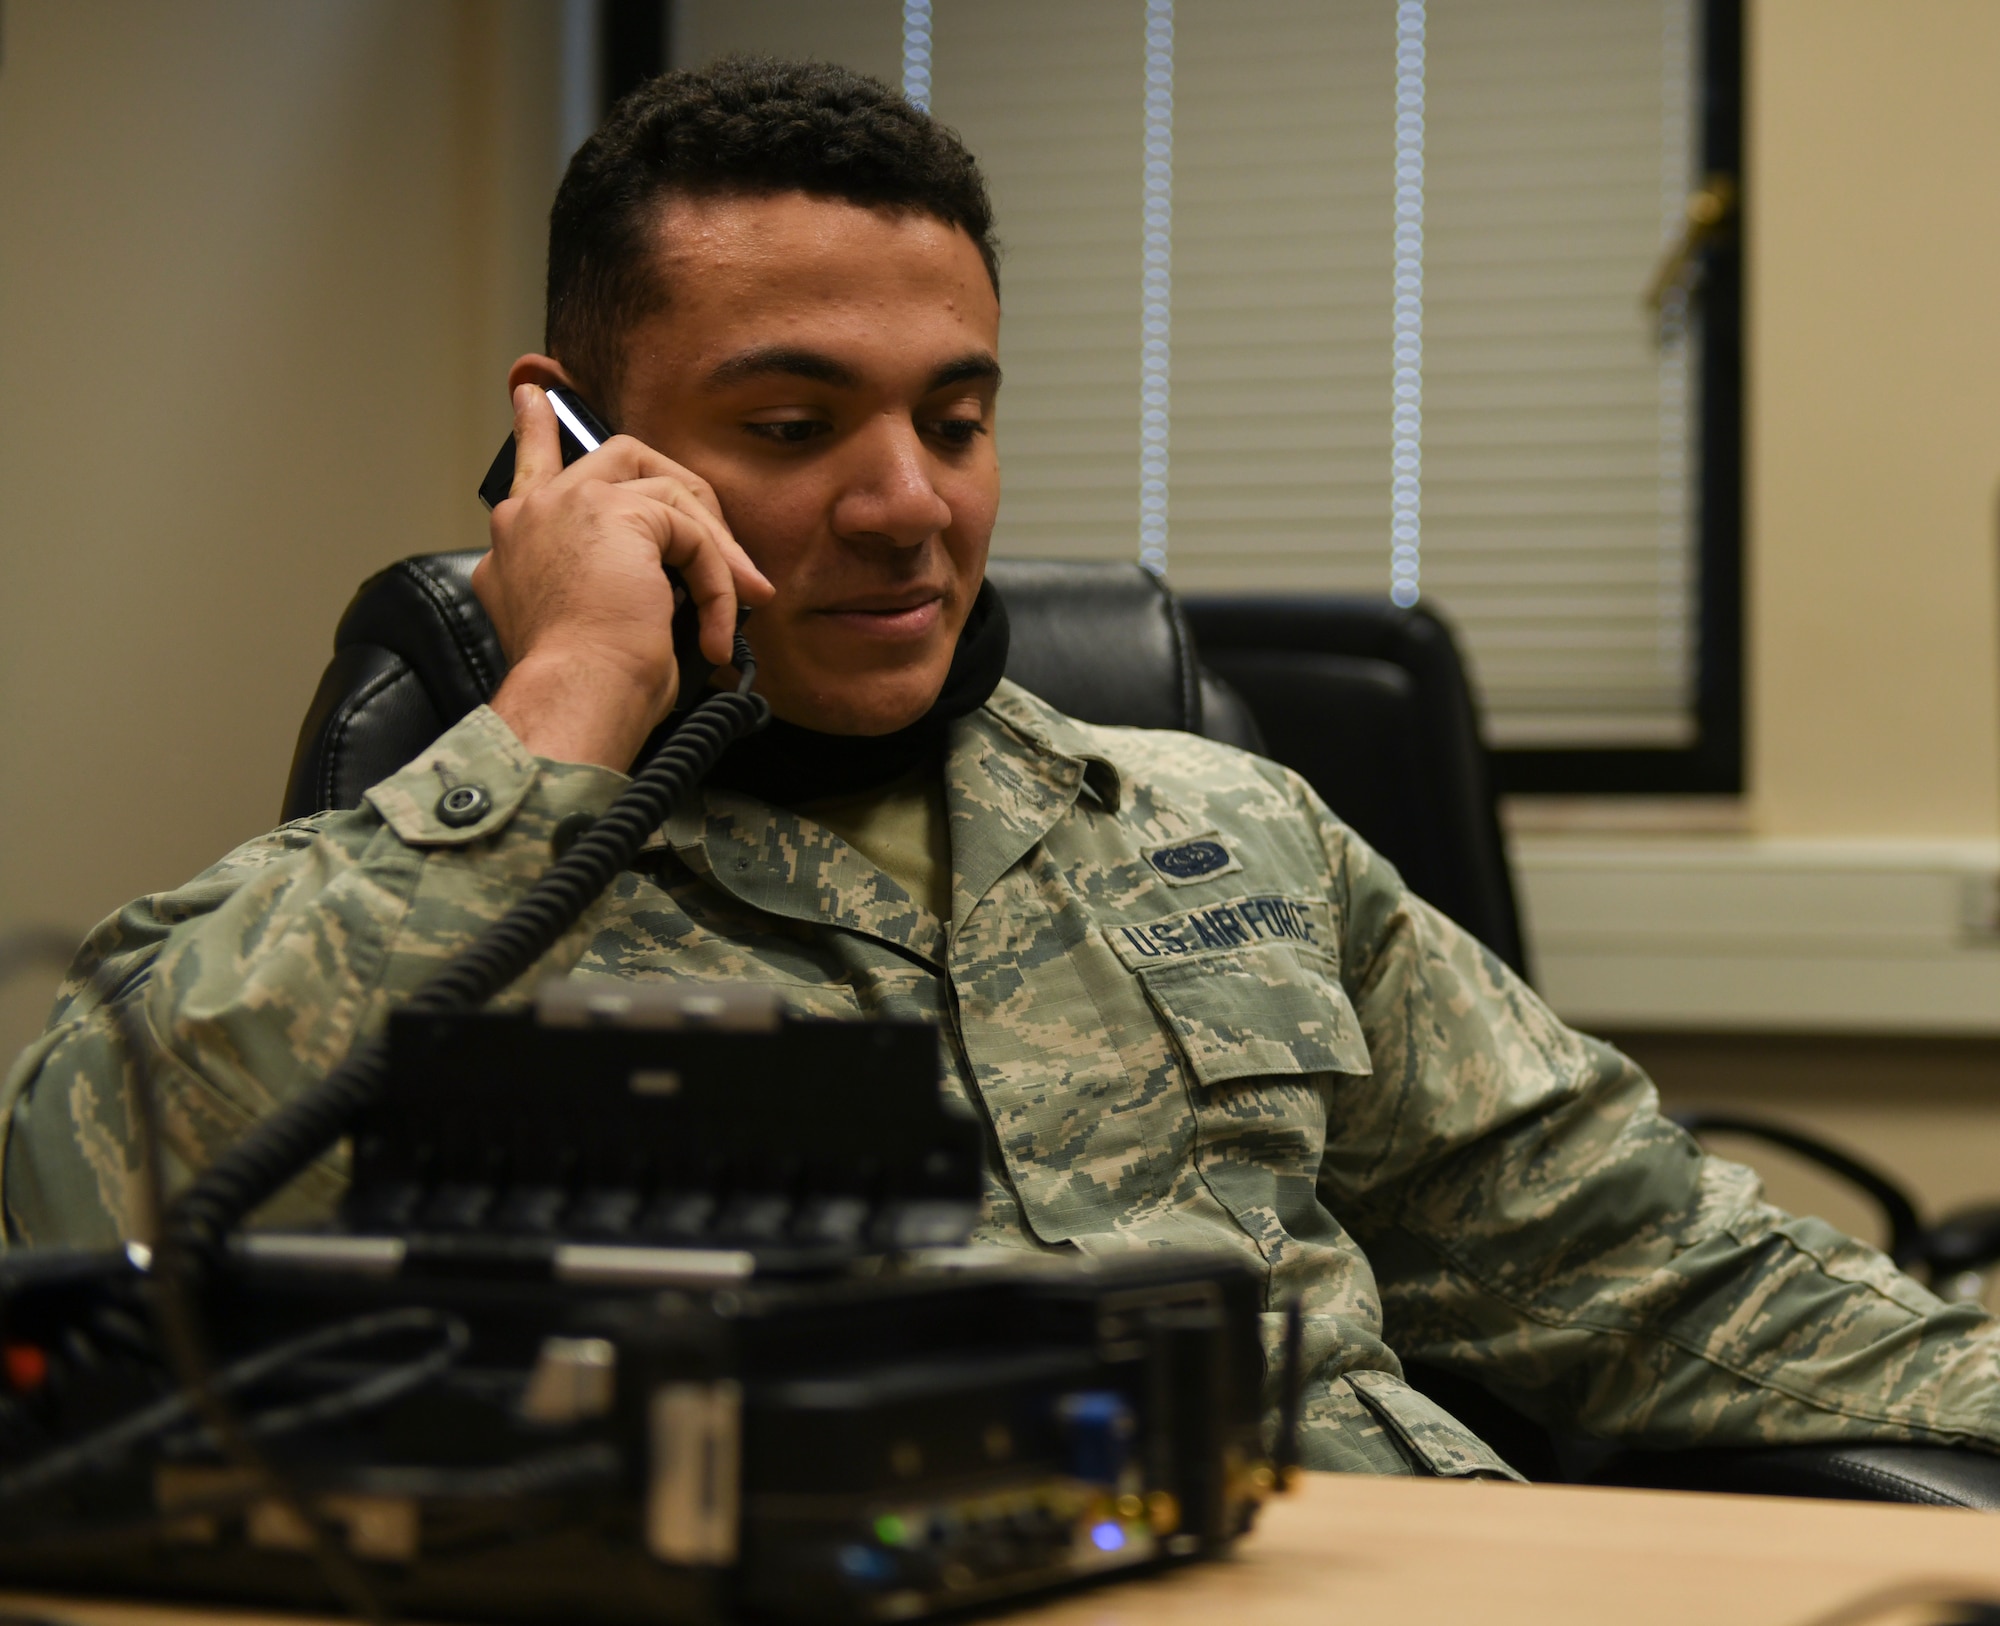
(718, 573)
(675, 494)
(537, 442)
(624, 461)
(686, 517)
(716, 578)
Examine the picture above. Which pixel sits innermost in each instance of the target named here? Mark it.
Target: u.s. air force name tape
(1220, 928)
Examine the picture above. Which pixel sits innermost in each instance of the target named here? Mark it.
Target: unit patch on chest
(1187, 862)
(1225, 927)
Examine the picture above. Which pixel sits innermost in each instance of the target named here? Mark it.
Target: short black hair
(744, 125)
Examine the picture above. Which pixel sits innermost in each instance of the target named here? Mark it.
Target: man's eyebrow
(976, 365)
(797, 362)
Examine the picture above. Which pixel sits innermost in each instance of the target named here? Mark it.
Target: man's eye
(788, 431)
(958, 432)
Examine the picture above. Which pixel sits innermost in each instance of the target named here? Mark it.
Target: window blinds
(1050, 96)
(1556, 530)
(1556, 506)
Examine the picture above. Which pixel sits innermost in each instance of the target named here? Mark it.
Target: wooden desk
(1413, 1552)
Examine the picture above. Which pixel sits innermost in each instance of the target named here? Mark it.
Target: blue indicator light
(1107, 1537)
(868, 1564)
(1097, 1427)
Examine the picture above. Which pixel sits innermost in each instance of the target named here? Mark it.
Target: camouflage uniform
(1194, 1009)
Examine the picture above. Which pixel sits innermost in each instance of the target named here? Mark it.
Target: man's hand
(577, 591)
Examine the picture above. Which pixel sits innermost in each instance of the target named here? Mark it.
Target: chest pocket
(1265, 1035)
(1267, 1010)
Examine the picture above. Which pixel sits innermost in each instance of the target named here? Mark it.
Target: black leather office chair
(1351, 693)
(1370, 703)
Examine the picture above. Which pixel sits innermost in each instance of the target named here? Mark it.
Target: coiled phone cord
(281, 1146)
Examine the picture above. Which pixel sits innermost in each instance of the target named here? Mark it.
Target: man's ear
(538, 369)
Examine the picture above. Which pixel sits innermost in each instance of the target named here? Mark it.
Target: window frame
(633, 46)
(1713, 764)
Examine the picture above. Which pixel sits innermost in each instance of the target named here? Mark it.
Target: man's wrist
(570, 710)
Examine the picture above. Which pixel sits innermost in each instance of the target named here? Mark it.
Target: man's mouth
(894, 616)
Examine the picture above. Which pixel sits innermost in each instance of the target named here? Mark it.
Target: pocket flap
(1431, 1435)
(1258, 1011)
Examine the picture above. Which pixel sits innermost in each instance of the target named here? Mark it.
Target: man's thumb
(537, 443)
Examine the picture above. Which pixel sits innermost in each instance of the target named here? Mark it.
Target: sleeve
(1536, 1225)
(255, 979)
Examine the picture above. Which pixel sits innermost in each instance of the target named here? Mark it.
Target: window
(1345, 296)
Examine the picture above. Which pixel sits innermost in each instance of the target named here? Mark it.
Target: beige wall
(1874, 507)
(1874, 409)
(262, 264)
(1873, 191)
(866, 35)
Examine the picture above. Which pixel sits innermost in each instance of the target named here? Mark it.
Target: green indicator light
(890, 1530)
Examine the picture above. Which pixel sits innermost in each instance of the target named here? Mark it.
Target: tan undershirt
(901, 829)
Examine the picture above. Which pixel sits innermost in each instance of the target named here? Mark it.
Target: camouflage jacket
(1192, 1008)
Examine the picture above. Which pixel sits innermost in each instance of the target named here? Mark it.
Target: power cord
(1933, 1603)
(177, 1315)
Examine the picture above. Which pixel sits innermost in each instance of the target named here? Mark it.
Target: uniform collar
(784, 863)
(1012, 769)
(1039, 726)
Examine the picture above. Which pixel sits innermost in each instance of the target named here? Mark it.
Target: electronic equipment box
(637, 1314)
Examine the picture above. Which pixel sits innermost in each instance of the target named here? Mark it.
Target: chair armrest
(1906, 1230)
(1932, 1475)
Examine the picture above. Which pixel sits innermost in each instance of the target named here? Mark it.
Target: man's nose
(890, 492)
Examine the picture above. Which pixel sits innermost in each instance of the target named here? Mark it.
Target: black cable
(177, 1315)
(1944, 1602)
(367, 1393)
(281, 1146)
(569, 1468)
(114, 1442)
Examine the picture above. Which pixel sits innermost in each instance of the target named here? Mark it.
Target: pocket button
(463, 805)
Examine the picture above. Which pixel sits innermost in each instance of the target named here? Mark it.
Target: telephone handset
(580, 430)
(577, 427)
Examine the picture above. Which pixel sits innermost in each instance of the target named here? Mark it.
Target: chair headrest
(1103, 641)
(423, 609)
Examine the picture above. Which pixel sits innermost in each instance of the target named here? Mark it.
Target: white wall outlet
(1979, 908)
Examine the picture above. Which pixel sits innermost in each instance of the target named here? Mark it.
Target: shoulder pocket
(1263, 1010)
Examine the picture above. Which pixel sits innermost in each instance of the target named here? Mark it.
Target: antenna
(1291, 1385)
